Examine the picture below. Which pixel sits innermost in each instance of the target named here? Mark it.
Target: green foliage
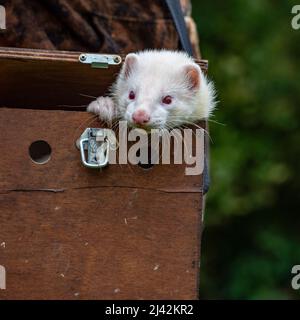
(251, 238)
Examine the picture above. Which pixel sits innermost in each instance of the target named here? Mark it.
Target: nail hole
(40, 152)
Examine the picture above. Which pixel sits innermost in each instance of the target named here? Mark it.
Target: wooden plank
(61, 130)
(108, 243)
(122, 233)
(59, 55)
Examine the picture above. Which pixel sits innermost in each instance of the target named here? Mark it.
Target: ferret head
(161, 89)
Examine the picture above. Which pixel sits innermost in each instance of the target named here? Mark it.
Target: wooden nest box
(68, 232)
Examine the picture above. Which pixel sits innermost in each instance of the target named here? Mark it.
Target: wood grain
(74, 233)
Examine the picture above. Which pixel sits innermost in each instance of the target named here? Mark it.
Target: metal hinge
(100, 60)
(97, 143)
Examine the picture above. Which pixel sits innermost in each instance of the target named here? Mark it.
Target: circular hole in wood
(40, 152)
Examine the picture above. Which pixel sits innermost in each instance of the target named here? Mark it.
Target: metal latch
(96, 143)
(100, 60)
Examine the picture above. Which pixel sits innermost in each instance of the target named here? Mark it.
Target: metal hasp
(96, 142)
(100, 60)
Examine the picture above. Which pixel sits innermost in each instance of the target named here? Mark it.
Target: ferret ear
(192, 74)
(130, 63)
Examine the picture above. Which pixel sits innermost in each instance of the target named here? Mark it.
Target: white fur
(153, 75)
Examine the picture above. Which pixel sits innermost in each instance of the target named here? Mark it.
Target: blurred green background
(252, 222)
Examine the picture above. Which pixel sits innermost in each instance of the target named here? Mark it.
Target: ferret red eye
(167, 100)
(131, 95)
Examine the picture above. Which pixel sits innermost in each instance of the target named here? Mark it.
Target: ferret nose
(140, 117)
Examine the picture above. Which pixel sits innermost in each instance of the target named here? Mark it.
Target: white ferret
(157, 89)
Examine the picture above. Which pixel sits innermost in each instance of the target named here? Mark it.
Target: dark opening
(40, 152)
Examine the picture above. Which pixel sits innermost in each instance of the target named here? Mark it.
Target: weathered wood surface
(67, 232)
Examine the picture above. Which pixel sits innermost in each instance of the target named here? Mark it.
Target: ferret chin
(158, 89)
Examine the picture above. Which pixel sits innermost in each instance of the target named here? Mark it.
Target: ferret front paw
(104, 107)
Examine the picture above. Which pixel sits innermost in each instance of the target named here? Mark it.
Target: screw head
(117, 59)
(82, 57)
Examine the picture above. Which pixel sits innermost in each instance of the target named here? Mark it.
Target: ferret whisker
(217, 122)
(87, 122)
(194, 124)
(180, 128)
(71, 106)
(114, 125)
(86, 95)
